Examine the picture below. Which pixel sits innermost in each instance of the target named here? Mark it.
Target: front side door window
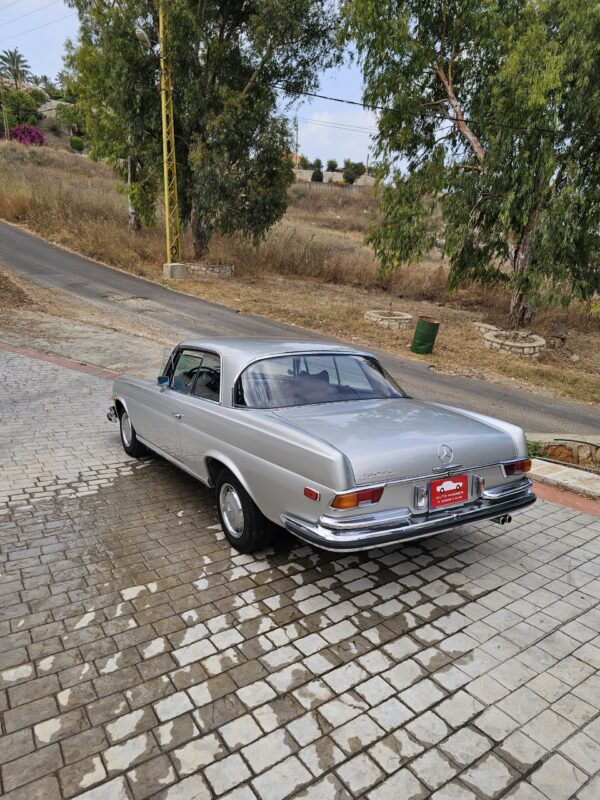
(184, 371)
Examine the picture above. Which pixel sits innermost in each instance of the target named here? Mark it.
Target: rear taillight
(517, 466)
(365, 497)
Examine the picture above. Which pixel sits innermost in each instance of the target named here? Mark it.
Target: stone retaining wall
(586, 455)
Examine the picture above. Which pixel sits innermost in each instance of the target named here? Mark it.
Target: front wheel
(244, 525)
(129, 440)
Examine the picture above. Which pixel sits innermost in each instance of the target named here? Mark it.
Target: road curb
(577, 481)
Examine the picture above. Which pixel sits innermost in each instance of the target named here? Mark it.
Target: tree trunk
(521, 312)
(199, 233)
(134, 221)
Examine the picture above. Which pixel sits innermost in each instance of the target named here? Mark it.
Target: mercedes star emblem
(445, 454)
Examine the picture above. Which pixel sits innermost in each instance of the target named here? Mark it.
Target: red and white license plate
(448, 491)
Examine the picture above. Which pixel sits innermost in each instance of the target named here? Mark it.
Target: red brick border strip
(59, 361)
(577, 501)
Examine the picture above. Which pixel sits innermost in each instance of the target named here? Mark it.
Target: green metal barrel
(425, 335)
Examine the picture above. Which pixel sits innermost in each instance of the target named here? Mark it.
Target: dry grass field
(312, 270)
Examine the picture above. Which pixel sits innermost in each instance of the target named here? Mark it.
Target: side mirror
(163, 381)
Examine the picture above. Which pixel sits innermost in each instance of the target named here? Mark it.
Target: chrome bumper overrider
(387, 528)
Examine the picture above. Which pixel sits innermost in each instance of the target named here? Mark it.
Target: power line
(14, 3)
(39, 27)
(29, 13)
(338, 125)
(431, 114)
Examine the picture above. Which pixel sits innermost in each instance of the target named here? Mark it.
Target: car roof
(237, 352)
(244, 350)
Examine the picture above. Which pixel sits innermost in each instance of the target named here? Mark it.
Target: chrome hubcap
(126, 429)
(231, 510)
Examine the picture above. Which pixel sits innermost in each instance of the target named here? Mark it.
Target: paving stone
(401, 784)
(198, 754)
(269, 750)
(145, 778)
(240, 731)
(227, 773)
(321, 756)
(490, 777)
(548, 729)
(433, 768)
(138, 721)
(282, 779)
(465, 746)
(328, 788)
(44, 789)
(82, 775)
(122, 756)
(16, 744)
(359, 774)
(583, 751)
(28, 768)
(395, 750)
(115, 789)
(521, 751)
(558, 778)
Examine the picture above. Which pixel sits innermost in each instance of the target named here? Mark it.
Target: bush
(38, 96)
(27, 134)
(77, 143)
(21, 108)
(317, 176)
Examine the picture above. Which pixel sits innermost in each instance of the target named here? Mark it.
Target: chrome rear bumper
(388, 528)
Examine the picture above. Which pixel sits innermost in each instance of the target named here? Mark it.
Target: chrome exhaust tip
(502, 520)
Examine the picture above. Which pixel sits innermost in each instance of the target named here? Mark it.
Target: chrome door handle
(176, 415)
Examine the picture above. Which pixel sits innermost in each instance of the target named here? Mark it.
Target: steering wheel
(214, 377)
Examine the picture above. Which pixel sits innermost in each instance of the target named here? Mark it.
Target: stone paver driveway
(141, 657)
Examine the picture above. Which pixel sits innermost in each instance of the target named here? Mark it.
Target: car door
(166, 407)
(201, 411)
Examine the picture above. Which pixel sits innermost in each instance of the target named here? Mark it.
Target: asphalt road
(52, 267)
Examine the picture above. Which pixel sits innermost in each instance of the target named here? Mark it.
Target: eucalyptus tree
(14, 65)
(490, 110)
(229, 61)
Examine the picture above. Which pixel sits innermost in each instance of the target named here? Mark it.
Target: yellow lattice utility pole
(4, 111)
(168, 133)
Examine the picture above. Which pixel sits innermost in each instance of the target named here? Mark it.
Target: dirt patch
(12, 293)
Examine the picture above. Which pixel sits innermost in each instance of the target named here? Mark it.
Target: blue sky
(39, 28)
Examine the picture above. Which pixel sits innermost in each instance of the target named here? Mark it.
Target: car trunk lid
(401, 438)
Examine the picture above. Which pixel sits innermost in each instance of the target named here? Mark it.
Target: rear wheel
(129, 439)
(245, 527)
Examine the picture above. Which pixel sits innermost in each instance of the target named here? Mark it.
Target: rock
(559, 331)
(584, 455)
(574, 358)
(561, 452)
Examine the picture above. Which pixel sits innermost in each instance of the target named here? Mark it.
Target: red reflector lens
(518, 466)
(363, 498)
(370, 495)
(312, 494)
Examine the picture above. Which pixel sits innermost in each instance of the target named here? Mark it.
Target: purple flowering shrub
(27, 134)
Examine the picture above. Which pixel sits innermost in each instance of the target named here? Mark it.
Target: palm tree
(15, 66)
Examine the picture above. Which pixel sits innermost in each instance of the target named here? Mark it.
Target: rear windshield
(299, 380)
